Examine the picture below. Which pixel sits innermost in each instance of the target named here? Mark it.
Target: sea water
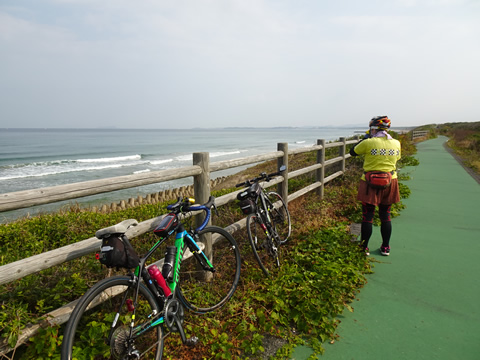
(37, 158)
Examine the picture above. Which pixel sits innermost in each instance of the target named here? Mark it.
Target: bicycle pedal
(192, 341)
(135, 354)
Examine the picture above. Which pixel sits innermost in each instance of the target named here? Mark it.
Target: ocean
(36, 158)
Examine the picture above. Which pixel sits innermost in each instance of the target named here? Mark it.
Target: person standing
(381, 154)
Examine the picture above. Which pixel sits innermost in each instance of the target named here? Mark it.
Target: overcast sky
(215, 63)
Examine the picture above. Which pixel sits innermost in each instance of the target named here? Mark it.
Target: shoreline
(103, 205)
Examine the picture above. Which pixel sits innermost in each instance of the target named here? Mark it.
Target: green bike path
(423, 301)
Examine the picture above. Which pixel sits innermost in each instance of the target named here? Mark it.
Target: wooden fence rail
(200, 170)
(417, 134)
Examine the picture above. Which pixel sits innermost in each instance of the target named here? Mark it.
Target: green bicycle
(128, 317)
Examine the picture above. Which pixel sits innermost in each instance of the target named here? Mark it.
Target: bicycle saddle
(119, 228)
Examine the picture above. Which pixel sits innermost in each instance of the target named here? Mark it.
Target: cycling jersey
(380, 153)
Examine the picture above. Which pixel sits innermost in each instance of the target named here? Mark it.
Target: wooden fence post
(283, 186)
(320, 173)
(201, 190)
(342, 151)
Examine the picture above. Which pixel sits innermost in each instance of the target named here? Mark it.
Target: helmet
(380, 123)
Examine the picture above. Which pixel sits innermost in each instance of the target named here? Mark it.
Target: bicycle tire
(87, 331)
(202, 291)
(280, 216)
(268, 254)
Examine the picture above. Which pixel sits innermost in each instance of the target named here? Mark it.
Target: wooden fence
(418, 134)
(200, 170)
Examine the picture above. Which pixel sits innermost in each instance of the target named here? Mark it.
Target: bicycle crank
(174, 315)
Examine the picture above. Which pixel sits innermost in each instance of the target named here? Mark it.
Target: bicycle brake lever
(215, 208)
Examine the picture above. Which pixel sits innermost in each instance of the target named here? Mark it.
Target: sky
(223, 63)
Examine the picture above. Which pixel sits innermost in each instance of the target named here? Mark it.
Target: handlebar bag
(115, 252)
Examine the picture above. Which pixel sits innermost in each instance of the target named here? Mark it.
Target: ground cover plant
(464, 140)
(322, 270)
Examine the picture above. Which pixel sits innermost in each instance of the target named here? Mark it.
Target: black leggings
(367, 223)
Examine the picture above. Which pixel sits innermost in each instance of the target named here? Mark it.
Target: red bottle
(157, 275)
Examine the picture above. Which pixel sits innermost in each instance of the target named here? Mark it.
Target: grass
(464, 140)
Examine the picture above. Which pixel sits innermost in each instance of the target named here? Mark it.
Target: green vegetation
(464, 141)
(321, 273)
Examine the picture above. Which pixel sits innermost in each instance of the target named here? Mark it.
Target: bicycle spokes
(206, 283)
(264, 245)
(102, 320)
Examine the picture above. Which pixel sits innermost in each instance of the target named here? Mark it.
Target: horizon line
(206, 128)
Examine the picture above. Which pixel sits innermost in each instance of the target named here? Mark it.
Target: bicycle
(268, 221)
(126, 317)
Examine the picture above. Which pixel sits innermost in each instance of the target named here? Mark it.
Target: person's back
(381, 153)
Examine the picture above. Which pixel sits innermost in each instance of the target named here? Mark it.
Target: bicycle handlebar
(186, 205)
(262, 176)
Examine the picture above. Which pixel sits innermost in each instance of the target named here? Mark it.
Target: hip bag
(378, 179)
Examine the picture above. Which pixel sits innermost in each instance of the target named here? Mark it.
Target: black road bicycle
(268, 222)
(128, 317)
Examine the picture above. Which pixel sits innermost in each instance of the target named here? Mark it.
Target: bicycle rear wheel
(99, 325)
(267, 253)
(280, 216)
(201, 290)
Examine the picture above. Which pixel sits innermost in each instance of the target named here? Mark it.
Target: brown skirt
(386, 196)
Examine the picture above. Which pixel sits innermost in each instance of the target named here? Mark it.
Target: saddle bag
(378, 179)
(117, 253)
(248, 206)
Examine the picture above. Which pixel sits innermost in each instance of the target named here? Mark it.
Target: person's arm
(352, 150)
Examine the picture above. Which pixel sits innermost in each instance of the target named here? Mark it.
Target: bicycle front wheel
(202, 290)
(99, 325)
(280, 216)
(266, 252)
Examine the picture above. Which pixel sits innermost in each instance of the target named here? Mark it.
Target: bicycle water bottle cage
(252, 192)
(167, 226)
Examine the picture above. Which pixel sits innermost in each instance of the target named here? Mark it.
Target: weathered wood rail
(200, 170)
(417, 134)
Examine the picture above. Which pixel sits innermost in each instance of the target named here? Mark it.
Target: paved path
(422, 302)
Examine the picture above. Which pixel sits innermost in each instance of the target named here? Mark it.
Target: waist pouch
(378, 179)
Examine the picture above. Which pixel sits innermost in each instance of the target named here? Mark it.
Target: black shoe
(385, 250)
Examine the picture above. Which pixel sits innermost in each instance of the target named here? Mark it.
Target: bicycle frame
(127, 308)
(183, 239)
(265, 215)
(265, 220)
